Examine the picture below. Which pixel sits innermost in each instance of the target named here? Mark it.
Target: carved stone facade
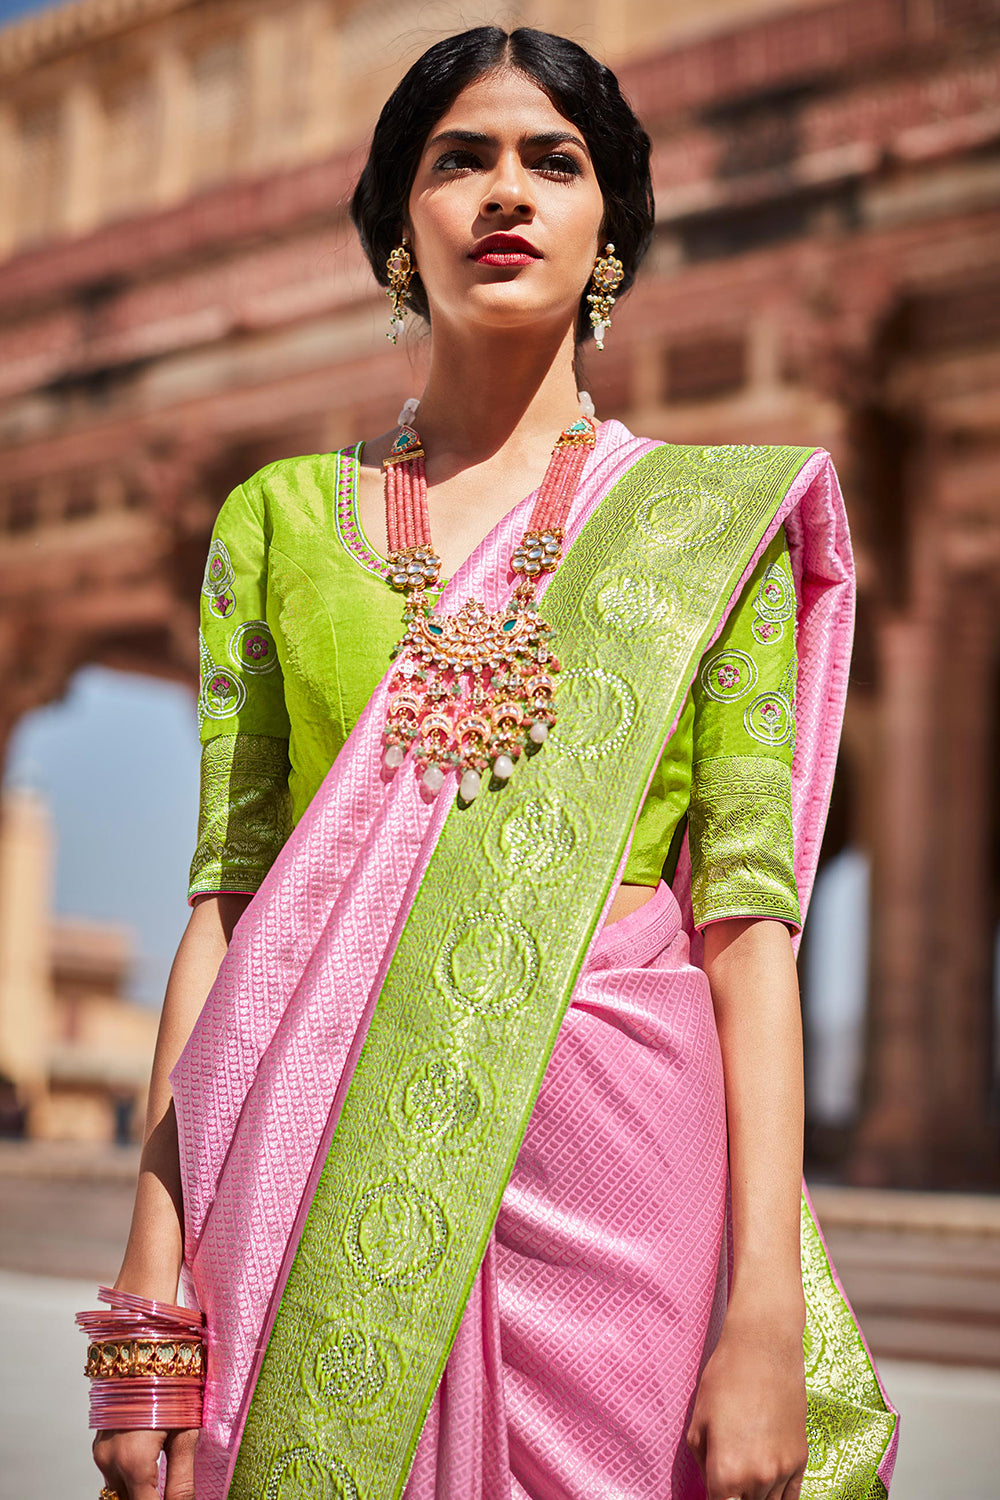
(183, 300)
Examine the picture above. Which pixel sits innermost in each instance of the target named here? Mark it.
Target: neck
(486, 391)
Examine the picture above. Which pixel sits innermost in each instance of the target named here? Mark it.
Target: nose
(509, 193)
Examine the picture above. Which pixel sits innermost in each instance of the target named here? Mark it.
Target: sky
(11, 9)
(117, 762)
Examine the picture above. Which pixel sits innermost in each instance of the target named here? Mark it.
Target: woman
(471, 1240)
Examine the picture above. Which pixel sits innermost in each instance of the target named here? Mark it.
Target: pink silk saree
(596, 1290)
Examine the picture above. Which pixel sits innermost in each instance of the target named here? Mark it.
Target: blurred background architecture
(182, 300)
(74, 1054)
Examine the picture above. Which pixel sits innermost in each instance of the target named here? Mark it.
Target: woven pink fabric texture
(601, 1288)
(289, 1010)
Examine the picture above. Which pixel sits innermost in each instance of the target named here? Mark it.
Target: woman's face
(504, 162)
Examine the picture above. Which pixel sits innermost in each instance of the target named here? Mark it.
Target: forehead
(505, 103)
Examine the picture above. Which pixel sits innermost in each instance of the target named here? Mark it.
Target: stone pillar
(26, 1003)
(890, 1144)
(324, 126)
(81, 126)
(962, 1141)
(266, 74)
(926, 1120)
(172, 87)
(8, 178)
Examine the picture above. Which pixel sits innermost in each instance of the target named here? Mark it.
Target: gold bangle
(109, 1494)
(122, 1358)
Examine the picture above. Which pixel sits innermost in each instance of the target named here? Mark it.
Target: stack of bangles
(146, 1363)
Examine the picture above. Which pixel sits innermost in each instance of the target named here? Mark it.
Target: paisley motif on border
(397, 1234)
(489, 963)
(437, 1098)
(597, 709)
(348, 1368)
(538, 837)
(692, 514)
(311, 1476)
(631, 604)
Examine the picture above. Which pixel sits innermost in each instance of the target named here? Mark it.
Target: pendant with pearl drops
(472, 690)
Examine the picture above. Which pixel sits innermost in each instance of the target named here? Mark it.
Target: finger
(179, 1449)
(113, 1481)
(793, 1489)
(695, 1439)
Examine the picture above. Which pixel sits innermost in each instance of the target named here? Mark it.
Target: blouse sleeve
(740, 828)
(244, 813)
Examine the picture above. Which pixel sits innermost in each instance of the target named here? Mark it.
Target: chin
(506, 311)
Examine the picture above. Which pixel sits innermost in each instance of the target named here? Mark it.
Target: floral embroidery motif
(222, 694)
(774, 603)
(223, 604)
(252, 647)
(219, 572)
(770, 718)
(728, 675)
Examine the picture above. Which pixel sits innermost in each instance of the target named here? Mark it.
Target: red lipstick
(504, 250)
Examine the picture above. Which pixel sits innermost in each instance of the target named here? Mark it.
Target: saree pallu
(446, 1231)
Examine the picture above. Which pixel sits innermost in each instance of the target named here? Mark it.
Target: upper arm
(245, 807)
(740, 829)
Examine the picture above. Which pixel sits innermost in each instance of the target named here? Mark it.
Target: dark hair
(581, 88)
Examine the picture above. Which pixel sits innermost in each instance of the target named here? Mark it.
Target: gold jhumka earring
(400, 269)
(607, 275)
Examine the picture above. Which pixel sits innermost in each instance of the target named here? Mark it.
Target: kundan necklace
(471, 690)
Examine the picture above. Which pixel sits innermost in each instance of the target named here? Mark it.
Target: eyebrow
(480, 138)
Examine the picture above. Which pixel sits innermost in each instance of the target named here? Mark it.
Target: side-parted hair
(582, 89)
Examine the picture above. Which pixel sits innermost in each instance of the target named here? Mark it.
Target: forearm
(751, 969)
(155, 1248)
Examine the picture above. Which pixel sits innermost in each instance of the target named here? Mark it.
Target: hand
(748, 1426)
(129, 1462)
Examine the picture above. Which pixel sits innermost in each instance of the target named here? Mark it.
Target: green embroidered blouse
(297, 622)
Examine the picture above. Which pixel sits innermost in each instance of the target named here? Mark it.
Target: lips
(504, 250)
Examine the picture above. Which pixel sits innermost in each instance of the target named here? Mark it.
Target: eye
(558, 164)
(457, 161)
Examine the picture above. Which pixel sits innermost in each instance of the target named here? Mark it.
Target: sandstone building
(181, 300)
(74, 1053)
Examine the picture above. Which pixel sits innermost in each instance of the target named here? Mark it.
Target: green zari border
(476, 991)
(850, 1427)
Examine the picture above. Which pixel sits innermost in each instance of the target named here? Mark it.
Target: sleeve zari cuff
(741, 840)
(245, 813)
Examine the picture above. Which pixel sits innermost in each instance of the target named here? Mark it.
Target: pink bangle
(135, 1335)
